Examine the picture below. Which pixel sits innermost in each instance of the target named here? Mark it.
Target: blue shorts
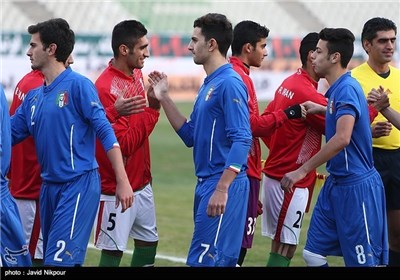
(13, 248)
(349, 220)
(251, 218)
(67, 215)
(217, 240)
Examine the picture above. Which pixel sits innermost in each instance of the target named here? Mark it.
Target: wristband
(293, 112)
(234, 169)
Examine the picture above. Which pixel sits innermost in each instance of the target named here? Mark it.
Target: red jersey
(297, 140)
(262, 125)
(25, 180)
(132, 131)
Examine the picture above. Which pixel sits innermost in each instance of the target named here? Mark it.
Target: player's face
(37, 55)
(70, 60)
(320, 59)
(140, 52)
(198, 47)
(382, 47)
(258, 53)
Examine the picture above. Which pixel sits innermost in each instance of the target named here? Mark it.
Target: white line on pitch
(158, 256)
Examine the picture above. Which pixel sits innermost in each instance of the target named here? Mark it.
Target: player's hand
(303, 112)
(314, 108)
(378, 98)
(152, 99)
(291, 178)
(124, 195)
(381, 129)
(159, 82)
(217, 203)
(259, 208)
(130, 105)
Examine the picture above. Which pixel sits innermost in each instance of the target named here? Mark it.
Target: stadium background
(170, 26)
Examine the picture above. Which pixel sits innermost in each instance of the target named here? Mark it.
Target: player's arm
(159, 82)
(317, 121)
(344, 130)
(19, 128)
(392, 115)
(314, 108)
(123, 192)
(379, 99)
(216, 205)
(237, 128)
(269, 121)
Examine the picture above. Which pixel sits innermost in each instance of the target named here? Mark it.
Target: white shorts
(33, 234)
(113, 228)
(283, 213)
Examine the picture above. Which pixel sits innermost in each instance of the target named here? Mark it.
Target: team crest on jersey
(10, 255)
(331, 107)
(62, 99)
(209, 93)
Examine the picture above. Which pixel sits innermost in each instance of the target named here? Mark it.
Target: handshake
(378, 98)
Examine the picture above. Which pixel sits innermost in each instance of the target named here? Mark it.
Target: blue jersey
(219, 127)
(349, 217)
(5, 145)
(346, 97)
(13, 249)
(64, 119)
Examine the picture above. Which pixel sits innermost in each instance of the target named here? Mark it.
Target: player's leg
(394, 235)
(29, 213)
(322, 238)
(70, 224)
(392, 190)
(387, 162)
(314, 260)
(285, 212)
(144, 230)
(361, 220)
(272, 198)
(251, 218)
(112, 230)
(216, 240)
(228, 240)
(13, 248)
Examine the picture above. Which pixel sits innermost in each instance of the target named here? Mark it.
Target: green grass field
(173, 184)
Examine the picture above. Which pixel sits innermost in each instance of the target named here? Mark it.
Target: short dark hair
(127, 32)
(247, 31)
(308, 43)
(372, 26)
(217, 26)
(55, 31)
(339, 40)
